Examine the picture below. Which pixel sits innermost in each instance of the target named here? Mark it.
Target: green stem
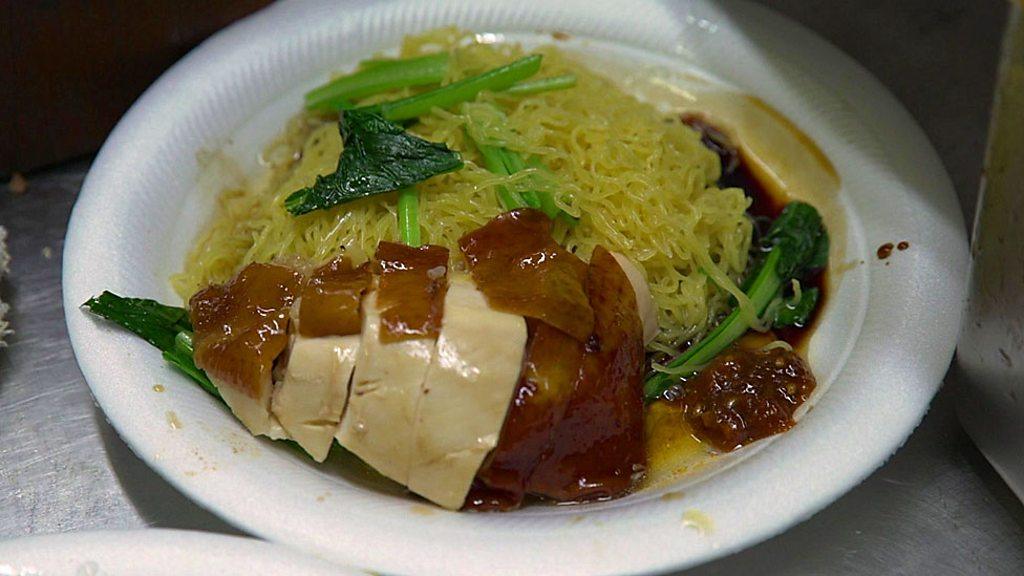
(462, 91)
(542, 85)
(547, 199)
(408, 216)
(380, 77)
(495, 163)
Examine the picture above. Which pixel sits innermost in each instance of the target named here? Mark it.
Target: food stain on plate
(422, 510)
(699, 521)
(672, 496)
(173, 421)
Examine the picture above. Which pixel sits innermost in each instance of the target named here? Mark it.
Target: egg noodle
(640, 183)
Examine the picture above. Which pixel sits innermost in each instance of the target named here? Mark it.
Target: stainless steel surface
(936, 508)
(990, 355)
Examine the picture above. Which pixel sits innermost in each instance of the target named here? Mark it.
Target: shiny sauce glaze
(330, 299)
(410, 296)
(241, 327)
(597, 450)
(521, 270)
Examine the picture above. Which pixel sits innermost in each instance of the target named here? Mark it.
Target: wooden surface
(77, 66)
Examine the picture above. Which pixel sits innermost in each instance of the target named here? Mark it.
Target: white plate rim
(941, 248)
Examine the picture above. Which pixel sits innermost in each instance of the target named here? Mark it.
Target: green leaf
(820, 258)
(796, 314)
(157, 323)
(796, 232)
(166, 327)
(378, 156)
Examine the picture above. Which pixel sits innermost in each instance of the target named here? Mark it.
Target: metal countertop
(936, 507)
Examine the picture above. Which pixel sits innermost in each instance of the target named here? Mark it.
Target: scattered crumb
(698, 521)
(190, 473)
(670, 496)
(18, 183)
(47, 252)
(577, 519)
(323, 497)
(559, 35)
(172, 421)
(423, 510)
(240, 444)
(158, 388)
(903, 245)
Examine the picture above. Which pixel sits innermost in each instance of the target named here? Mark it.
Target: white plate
(154, 553)
(884, 345)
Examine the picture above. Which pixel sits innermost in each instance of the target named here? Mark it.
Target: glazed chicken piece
(311, 397)
(241, 327)
(550, 368)
(466, 394)
(596, 451)
(522, 270)
(401, 320)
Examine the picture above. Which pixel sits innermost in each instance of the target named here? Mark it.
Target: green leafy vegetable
(166, 327)
(379, 76)
(542, 85)
(154, 322)
(378, 156)
(408, 216)
(464, 90)
(796, 314)
(794, 244)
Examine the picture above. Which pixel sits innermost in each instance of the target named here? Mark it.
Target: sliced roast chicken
(476, 389)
